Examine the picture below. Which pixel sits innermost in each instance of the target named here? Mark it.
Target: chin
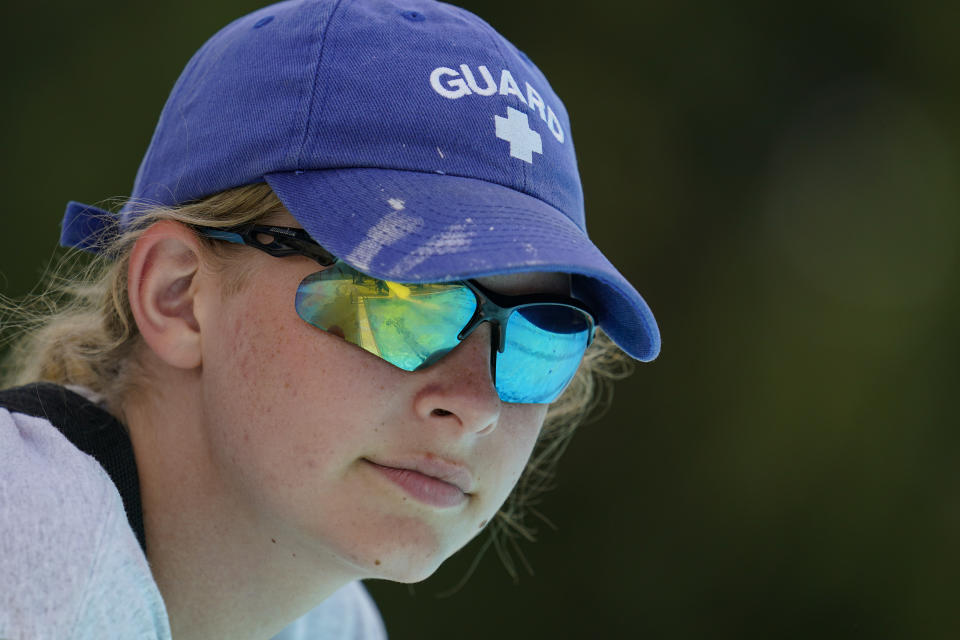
(407, 568)
(393, 539)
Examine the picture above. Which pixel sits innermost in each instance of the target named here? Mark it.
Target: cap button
(413, 16)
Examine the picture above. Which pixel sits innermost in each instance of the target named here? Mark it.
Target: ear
(162, 283)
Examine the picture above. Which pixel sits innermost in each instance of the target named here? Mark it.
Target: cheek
(260, 354)
(262, 377)
(289, 402)
(509, 453)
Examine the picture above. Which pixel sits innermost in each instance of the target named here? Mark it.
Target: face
(344, 456)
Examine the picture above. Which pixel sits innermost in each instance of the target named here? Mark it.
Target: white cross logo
(515, 129)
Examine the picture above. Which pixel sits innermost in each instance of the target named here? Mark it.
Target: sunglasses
(537, 340)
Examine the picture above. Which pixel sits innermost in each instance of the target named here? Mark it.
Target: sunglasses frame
(492, 307)
(286, 241)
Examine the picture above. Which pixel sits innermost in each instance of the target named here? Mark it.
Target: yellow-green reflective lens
(408, 325)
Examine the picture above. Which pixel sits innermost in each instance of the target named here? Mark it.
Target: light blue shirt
(71, 567)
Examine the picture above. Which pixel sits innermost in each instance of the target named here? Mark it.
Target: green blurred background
(780, 181)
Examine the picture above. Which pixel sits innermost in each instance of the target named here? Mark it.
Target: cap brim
(419, 227)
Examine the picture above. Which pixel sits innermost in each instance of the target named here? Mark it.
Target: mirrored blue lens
(544, 346)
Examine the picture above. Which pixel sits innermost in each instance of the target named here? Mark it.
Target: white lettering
(535, 101)
(491, 87)
(508, 85)
(454, 88)
(554, 125)
(454, 84)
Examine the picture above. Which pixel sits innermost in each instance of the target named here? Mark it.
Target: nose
(458, 389)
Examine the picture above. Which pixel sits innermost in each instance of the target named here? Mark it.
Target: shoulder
(349, 614)
(45, 480)
(63, 529)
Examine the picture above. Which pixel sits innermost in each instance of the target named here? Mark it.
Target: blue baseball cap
(408, 137)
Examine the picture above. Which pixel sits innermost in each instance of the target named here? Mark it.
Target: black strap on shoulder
(92, 430)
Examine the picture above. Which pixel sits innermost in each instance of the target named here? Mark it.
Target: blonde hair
(80, 330)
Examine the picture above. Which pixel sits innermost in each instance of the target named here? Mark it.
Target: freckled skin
(304, 409)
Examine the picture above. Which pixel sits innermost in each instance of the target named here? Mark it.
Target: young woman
(318, 343)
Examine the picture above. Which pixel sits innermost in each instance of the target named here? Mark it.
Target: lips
(430, 481)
